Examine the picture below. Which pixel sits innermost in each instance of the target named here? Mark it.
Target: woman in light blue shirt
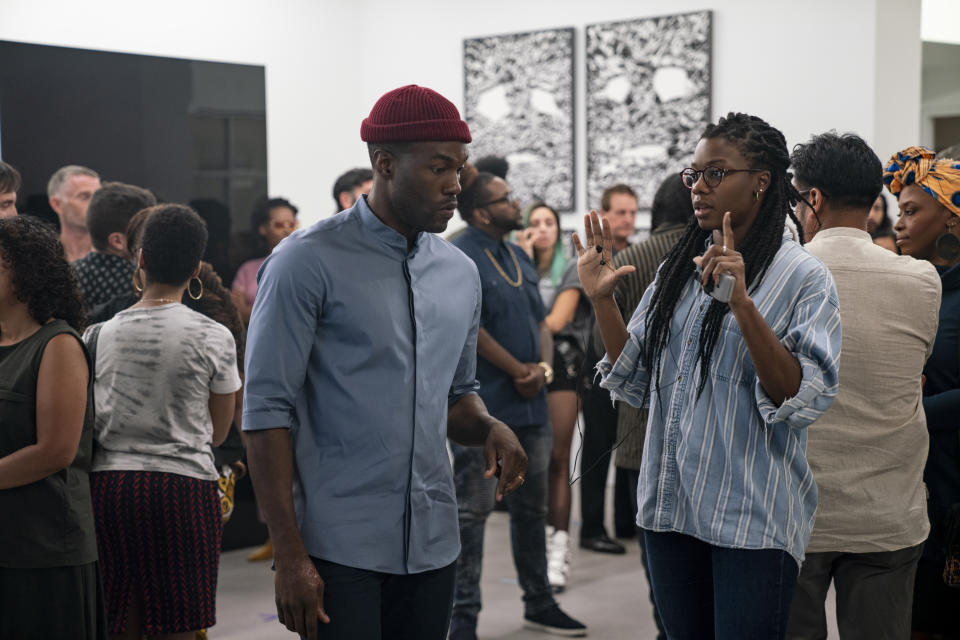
(726, 497)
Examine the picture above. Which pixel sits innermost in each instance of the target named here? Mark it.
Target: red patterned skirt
(158, 536)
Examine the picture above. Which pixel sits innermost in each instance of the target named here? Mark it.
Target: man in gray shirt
(868, 450)
(361, 361)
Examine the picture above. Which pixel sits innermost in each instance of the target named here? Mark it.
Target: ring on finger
(724, 251)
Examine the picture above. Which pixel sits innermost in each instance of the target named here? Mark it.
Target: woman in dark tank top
(48, 552)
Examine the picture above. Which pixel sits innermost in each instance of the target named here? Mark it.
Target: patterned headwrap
(939, 178)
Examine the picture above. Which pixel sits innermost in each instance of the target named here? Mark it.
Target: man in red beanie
(361, 361)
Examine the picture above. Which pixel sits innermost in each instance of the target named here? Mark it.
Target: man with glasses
(514, 345)
(868, 450)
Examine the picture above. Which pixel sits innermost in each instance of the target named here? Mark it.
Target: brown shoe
(262, 553)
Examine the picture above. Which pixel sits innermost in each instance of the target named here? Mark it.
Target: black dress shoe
(602, 544)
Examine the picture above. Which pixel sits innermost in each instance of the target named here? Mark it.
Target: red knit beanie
(414, 114)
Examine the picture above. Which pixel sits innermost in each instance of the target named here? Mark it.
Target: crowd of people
(774, 370)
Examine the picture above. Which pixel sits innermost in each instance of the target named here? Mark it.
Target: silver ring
(724, 252)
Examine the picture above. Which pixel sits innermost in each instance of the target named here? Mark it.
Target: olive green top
(48, 523)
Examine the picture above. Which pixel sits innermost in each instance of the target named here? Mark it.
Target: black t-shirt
(48, 523)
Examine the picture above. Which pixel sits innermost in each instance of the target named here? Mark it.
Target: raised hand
(722, 257)
(595, 262)
(524, 238)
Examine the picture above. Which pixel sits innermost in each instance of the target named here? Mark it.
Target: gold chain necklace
(503, 273)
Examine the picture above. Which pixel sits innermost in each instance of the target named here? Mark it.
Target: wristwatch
(547, 371)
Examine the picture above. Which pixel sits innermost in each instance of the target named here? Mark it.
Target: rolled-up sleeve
(627, 379)
(282, 333)
(814, 338)
(465, 378)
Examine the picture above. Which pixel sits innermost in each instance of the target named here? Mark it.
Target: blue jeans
(528, 512)
(703, 591)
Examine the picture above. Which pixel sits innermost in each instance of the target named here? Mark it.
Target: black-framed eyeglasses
(506, 199)
(802, 197)
(712, 176)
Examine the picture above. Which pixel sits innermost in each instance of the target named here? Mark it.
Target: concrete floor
(607, 593)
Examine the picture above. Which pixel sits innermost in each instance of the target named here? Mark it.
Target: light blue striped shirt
(730, 468)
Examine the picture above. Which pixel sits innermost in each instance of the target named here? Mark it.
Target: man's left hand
(505, 458)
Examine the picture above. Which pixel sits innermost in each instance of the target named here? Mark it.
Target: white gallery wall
(805, 66)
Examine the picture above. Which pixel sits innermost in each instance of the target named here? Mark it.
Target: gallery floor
(608, 593)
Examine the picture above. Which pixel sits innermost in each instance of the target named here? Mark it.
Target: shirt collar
(842, 232)
(387, 236)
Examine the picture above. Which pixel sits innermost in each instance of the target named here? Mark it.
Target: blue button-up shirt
(359, 347)
(511, 315)
(730, 467)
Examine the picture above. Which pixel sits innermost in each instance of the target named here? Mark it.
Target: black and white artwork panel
(648, 100)
(519, 103)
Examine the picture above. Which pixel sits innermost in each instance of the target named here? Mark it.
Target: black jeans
(369, 605)
(874, 595)
(599, 436)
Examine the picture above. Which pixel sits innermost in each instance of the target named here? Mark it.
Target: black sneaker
(555, 621)
(462, 629)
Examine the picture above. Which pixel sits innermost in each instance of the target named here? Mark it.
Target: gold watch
(547, 371)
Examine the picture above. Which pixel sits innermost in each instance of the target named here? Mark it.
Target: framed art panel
(648, 100)
(519, 103)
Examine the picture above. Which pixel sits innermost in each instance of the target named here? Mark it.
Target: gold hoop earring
(137, 286)
(190, 291)
(756, 196)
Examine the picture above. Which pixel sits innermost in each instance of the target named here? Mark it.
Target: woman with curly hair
(48, 552)
(166, 379)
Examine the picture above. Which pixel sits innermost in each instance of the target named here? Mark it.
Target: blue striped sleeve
(814, 338)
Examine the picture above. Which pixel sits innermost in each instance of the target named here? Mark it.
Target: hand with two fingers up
(722, 257)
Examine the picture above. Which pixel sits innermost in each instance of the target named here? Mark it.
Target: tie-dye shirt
(156, 368)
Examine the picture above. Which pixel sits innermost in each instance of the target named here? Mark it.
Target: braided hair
(765, 148)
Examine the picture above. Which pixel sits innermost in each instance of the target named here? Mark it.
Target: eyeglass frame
(801, 198)
(697, 175)
(507, 199)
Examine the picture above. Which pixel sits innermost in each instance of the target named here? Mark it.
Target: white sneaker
(558, 560)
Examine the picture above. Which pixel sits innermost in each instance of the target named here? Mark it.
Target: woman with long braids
(726, 497)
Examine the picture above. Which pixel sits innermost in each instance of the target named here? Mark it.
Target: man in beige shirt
(868, 450)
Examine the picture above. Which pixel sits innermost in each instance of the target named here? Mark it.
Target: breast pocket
(731, 359)
(18, 427)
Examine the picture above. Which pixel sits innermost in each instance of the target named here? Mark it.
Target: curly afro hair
(173, 241)
(42, 277)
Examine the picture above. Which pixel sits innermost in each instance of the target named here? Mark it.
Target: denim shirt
(511, 315)
(730, 467)
(359, 347)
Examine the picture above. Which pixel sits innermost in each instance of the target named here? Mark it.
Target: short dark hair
(473, 194)
(9, 178)
(261, 211)
(41, 275)
(609, 192)
(355, 177)
(111, 208)
(497, 165)
(843, 167)
(173, 241)
(672, 203)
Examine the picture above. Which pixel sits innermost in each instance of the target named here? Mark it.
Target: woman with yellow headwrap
(928, 191)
